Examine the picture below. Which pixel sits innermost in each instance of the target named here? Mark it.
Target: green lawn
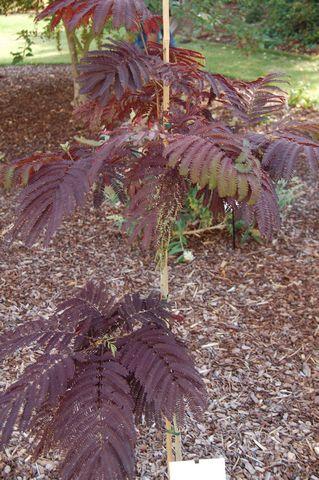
(303, 70)
(44, 51)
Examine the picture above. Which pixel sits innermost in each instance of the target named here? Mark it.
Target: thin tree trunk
(164, 294)
(74, 64)
(166, 45)
(164, 260)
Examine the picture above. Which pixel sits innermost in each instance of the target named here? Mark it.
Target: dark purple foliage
(103, 364)
(79, 395)
(76, 12)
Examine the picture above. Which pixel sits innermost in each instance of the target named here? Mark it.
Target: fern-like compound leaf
(127, 13)
(120, 69)
(264, 213)
(91, 308)
(53, 193)
(21, 170)
(134, 309)
(217, 160)
(42, 383)
(93, 426)
(139, 107)
(259, 99)
(266, 209)
(289, 147)
(99, 361)
(281, 158)
(165, 371)
(47, 334)
(182, 56)
(22, 336)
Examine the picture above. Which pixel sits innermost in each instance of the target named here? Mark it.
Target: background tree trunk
(74, 64)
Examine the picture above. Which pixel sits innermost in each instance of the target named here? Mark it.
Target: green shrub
(281, 21)
(195, 217)
(266, 23)
(300, 98)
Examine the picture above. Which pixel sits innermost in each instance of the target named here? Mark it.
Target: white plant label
(213, 469)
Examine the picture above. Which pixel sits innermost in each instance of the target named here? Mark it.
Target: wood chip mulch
(251, 315)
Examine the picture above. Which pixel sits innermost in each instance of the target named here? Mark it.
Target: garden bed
(251, 315)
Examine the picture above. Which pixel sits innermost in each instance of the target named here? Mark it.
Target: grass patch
(44, 51)
(303, 70)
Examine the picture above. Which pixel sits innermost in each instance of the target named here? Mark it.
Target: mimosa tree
(107, 363)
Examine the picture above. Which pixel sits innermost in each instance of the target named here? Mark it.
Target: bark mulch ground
(251, 315)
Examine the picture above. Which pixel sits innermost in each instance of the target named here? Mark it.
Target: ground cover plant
(152, 157)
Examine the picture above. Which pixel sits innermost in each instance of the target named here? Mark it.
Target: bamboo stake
(178, 442)
(164, 275)
(166, 44)
(164, 294)
(164, 262)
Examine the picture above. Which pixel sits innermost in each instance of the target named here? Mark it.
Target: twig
(87, 141)
(220, 226)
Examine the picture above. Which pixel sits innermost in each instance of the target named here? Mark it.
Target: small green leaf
(176, 249)
(113, 349)
(181, 259)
